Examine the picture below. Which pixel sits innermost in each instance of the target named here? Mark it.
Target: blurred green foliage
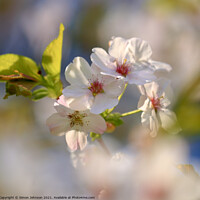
(22, 74)
(168, 6)
(188, 108)
(113, 118)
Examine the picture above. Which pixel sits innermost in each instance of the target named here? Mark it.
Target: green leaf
(105, 113)
(54, 87)
(94, 136)
(19, 87)
(12, 64)
(51, 59)
(113, 118)
(39, 93)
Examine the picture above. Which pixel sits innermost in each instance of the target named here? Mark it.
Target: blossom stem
(119, 98)
(130, 113)
(103, 145)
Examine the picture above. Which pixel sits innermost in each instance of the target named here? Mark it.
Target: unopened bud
(110, 127)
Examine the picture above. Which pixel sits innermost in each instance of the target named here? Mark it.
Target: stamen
(96, 87)
(123, 69)
(155, 103)
(76, 118)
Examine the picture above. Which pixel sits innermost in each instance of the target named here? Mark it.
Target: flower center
(155, 103)
(76, 118)
(123, 69)
(96, 87)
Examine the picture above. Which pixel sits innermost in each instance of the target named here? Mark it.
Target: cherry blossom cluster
(98, 87)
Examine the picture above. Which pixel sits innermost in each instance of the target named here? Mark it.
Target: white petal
(154, 124)
(157, 88)
(103, 102)
(72, 139)
(119, 49)
(78, 72)
(150, 121)
(94, 123)
(160, 66)
(57, 124)
(105, 79)
(80, 103)
(169, 121)
(141, 89)
(145, 118)
(74, 91)
(114, 75)
(144, 103)
(101, 59)
(164, 102)
(82, 140)
(140, 49)
(141, 77)
(152, 89)
(114, 88)
(95, 69)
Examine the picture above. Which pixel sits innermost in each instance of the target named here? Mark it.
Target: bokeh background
(34, 162)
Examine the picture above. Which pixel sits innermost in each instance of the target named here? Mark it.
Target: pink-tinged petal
(169, 121)
(62, 110)
(160, 66)
(74, 91)
(144, 103)
(57, 124)
(62, 107)
(72, 139)
(78, 72)
(140, 77)
(82, 140)
(103, 102)
(114, 88)
(140, 49)
(94, 123)
(62, 100)
(80, 103)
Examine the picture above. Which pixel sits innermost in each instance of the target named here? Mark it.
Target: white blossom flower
(142, 52)
(74, 124)
(128, 60)
(153, 102)
(89, 89)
